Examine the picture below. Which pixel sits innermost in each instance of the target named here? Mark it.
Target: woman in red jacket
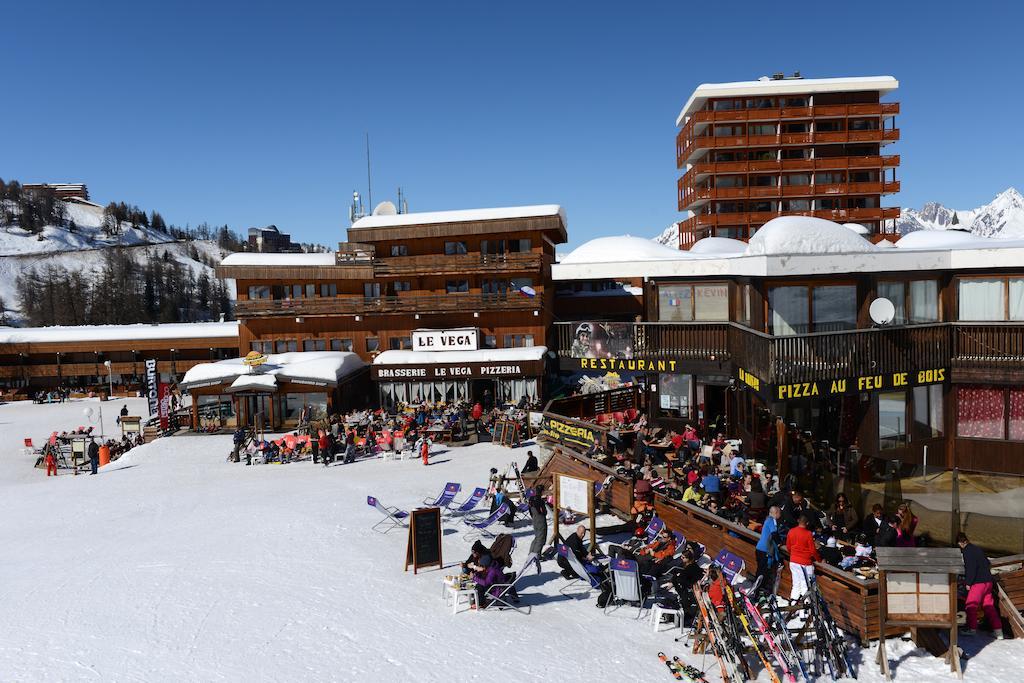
(802, 556)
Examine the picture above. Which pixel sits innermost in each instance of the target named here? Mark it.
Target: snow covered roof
(524, 353)
(459, 216)
(794, 246)
(254, 383)
(259, 259)
(786, 86)
(622, 248)
(308, 367)
(82, 333)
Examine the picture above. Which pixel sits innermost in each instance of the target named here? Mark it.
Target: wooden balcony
(758, 218)
(464, 302)
(826, 355)
(686, 147)
(690, 196)
(826, 111)
(706, 168)
(458, 264)
(90, 369)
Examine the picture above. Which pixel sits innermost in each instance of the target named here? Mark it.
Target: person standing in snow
(94, 456)
(539, 517)
(978, 577)
(424, 448)
(350, 451)
(803, 553)
(51, 464)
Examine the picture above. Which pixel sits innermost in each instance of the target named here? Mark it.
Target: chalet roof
(462, 221)
(85, 333)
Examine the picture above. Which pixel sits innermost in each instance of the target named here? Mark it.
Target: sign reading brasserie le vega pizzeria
(847, 385)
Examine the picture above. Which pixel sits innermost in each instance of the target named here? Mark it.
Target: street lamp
(110, 379)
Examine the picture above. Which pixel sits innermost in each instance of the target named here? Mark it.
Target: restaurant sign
(625, 364)
(568, 433)
(457, 371)
(464, 339)
(863, 383)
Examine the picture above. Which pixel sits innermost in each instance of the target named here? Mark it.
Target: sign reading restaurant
(464, 339)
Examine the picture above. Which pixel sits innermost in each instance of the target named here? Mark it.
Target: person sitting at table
(691, 438)
(693, 493)
(654, 558)
(711, 481)
(842, 519)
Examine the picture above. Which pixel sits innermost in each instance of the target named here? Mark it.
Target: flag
(528, 291)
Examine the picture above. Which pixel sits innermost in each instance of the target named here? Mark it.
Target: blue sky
(255, 113)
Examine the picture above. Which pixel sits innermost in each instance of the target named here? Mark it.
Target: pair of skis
(682, 671)
(708, 621)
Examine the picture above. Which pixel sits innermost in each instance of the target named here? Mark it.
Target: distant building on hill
(270, 240)
(63, 190)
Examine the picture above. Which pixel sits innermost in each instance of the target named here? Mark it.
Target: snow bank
(805, 235)
(524, 353)
(719, 246)
(77, 333)
(316, 366)
(623, 248)
(460, 216)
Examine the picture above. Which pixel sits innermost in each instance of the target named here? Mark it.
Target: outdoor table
(454, 593)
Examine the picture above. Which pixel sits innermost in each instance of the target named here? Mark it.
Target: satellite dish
(882, 311)
(385, 208)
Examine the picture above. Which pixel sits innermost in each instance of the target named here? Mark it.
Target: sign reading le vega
(466, 339)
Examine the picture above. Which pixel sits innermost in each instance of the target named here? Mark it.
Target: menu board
(423, 548)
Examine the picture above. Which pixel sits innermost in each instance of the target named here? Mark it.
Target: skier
(978, 577)
(424, 448)
(350, 451)
(802, 556)
(239, 441)
(51, 464)
(539, 517)
(314, 445)
(94, 456)
(767, 551)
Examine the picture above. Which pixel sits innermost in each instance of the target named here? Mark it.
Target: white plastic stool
(657, 611)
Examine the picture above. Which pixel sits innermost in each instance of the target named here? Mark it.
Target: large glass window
(372, 344)
(924, 301)
(834, 308)
(329, 289)
(341, 345)
(400, 343)
(520, 245)
(259, 291)
(399, 250)
(314, 344)
(981, 412)
(928, 410)
(982, 299)
(453, 248)
(675, 396)
(456, 286)
(683, 303)
(286, 345)
(896, 292)
(892, 420)
(789, 312)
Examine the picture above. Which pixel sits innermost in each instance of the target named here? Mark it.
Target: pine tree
(956, 219)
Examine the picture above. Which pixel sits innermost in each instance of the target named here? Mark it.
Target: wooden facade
(749, 158)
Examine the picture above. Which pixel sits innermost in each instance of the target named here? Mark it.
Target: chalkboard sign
(506, 433)
(423, 548)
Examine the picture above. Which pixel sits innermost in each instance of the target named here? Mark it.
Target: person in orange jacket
(425, 449)
(51, 465)
(803, 553)
(654, 557)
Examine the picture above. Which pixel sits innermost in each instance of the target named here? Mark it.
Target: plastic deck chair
(503, 598)
(582, 575)
(732, 565)
(653, 528)
(626, 586)
(468, 506)
(482, 528)
(451, 489)
(393, 517)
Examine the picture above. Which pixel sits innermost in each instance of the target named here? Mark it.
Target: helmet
(584, 328)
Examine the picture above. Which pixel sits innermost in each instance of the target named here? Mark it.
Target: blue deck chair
(582, 575)
(468, 506)
(626, 585)
(393, 517)
(731, 564)
(482, 528)
(653, 528)
(451, 489)
(502, 599)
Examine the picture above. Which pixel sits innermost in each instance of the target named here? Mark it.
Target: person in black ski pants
(94, 456)
(539, 517)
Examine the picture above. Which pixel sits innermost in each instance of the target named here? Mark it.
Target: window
(994, 298)
(675, 396)
(457, 286)
(296, 291)
(729, 181)
(916, 301)
(761, 129)
(493, 247)
(314, 344)
(763, 181)
(328, 289)
(401, 286)
(494, 287)
(400, 343)
(863, 124)
(796, 153)
(928, 411)
(831, 308)
(341, 345)
(795, 127)
(684, 303)
(372, 344)
(796, 204)
(259, 291)
(744, 312)
(829, 125)
(892, 420)
(794, 102)
(399, 250)
(518, 340)
(789, 314)
(310, 291)
(723, 105)
(520, 246)
(796, 179)
(371, 290)
(262, 346)
(490, 341)
(725, 131)
(829, 178)
(453, 248)
(981, 412)
(286, 345)
(834, 308)
(761, 103)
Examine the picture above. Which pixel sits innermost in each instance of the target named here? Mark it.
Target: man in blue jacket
(767, 552)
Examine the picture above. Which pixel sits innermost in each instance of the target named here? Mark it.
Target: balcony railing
(703, 168)
(686, 147)
(689, 196)
(790, 113)
(384, 305)
(459, 263)
(824, 355)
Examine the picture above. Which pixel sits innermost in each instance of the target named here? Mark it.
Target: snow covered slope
(175, 565)
(669, 236)
(1002, 217)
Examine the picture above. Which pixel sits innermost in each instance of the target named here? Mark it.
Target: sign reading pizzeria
(530, 368)
(464, 339)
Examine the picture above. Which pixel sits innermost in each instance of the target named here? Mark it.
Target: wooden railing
(688, 146)
(358, 305)
(458, 263)
(787, 165)
(824, 355)
(786, 113)
(690, 194)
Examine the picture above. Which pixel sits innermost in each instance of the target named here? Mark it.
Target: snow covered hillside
(1002, 217)
(175, 565)
(83, 247)
(669, 236)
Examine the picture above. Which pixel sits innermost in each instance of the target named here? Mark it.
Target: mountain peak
(1002, 217)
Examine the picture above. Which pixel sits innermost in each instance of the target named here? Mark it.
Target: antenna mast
(369, 187)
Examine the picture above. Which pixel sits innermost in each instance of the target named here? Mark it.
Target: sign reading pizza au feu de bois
(464, 339)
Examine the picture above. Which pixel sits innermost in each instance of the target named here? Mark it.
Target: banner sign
(627, 364)
(568, 433)
(530, 368)
(863, 383)
(164, 401)
(602, 340)
(465, 339)
(152, 395)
